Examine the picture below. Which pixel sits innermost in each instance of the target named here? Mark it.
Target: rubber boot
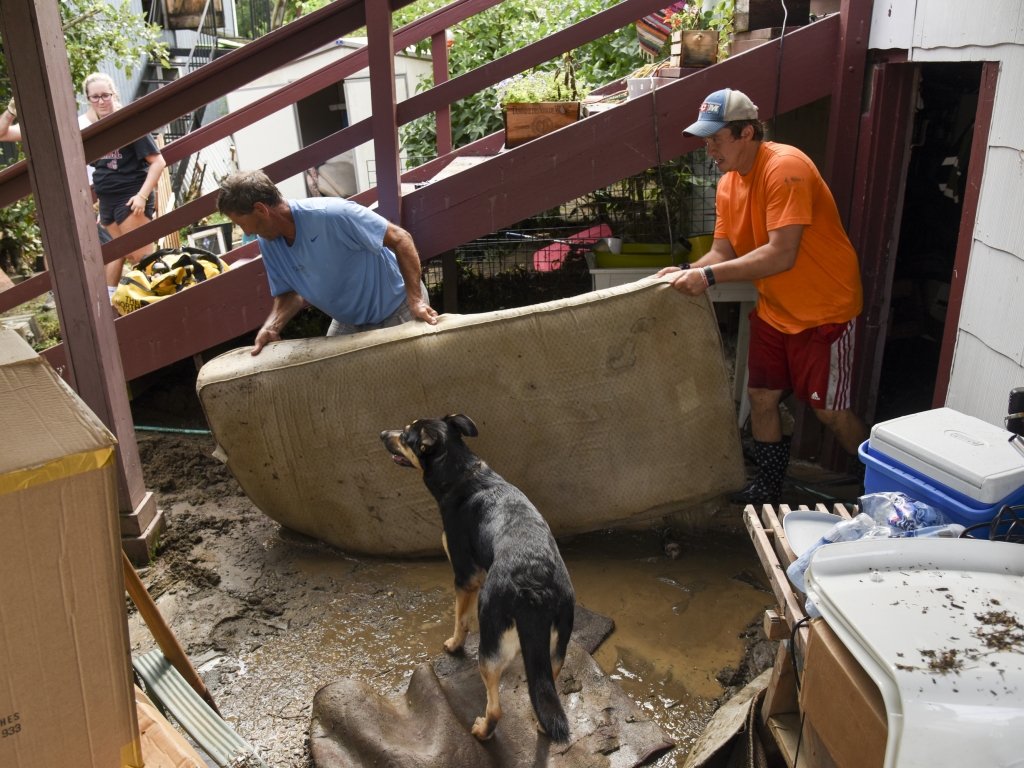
(772, 460)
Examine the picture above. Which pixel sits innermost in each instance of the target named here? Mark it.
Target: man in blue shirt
(342, 258)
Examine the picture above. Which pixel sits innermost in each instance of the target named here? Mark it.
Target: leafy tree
(94, 31)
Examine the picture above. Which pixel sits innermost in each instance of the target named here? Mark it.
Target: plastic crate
(884, 474)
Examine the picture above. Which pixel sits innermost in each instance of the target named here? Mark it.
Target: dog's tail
(535, 642)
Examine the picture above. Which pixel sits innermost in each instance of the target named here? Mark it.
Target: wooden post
(443, 116)
(844, 114)
(383, 102)
(450, 279)
(41, 78)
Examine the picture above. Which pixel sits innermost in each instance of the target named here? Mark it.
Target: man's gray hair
(241, 190)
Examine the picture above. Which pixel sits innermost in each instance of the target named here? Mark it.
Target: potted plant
(700, 38)
(538, 103)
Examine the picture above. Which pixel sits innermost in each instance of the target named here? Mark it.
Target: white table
(745, 293)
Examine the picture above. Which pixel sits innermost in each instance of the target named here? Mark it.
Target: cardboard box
(840, 701)
(162, 745)
(66, 692)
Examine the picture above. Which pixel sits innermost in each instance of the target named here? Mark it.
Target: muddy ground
(269, 616)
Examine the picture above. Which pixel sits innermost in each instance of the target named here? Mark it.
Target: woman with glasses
(124, 180)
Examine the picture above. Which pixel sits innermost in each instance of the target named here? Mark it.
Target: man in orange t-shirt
(777, 225)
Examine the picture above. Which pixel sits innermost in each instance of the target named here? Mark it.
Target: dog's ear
(462, 424)
(428, 436)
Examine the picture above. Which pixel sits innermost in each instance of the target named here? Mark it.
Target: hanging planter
(694, 48)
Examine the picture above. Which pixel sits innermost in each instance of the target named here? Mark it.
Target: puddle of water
(677, 624)
(676, 621)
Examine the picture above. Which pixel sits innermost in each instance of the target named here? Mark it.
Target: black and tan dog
(505, 557)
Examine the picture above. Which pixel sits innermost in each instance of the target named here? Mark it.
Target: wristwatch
(684, 265)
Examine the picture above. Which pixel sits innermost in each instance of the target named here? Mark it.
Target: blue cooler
(961, 465)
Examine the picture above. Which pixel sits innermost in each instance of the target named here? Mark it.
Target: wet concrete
(269, 616)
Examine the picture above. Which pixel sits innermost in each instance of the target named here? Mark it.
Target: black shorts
(116, 209)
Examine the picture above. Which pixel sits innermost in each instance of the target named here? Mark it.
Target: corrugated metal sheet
(941, 23)
(165, 685)
(993, 305)
(982, 380)
(1000, 223)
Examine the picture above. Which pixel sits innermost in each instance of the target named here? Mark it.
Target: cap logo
(710, 106)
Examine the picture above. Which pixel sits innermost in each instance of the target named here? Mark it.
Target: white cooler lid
(964, 453)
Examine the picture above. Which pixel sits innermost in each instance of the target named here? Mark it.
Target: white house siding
(989, 357)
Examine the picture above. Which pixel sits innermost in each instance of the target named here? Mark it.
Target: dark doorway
(930, 224)
(322, 114)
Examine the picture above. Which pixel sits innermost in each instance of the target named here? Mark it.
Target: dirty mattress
(609, 407)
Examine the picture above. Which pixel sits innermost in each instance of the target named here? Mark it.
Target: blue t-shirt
(338, 262)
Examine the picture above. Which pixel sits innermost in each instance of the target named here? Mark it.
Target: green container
(652, 255)
(637, 256)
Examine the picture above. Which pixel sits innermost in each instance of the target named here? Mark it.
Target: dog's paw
(480, 729)
(452, 645)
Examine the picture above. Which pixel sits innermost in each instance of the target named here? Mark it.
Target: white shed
(319, 115)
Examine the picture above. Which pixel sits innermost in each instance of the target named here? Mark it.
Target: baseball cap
(720, 108)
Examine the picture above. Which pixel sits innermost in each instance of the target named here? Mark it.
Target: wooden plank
(847, 91)
(965, 239)
(443, 116)
(785, 729)
(775, 626)
(776, 575)
(384, 121)
(781, 695)
(41, 79)
(782, 548)
(758, 14)
(450, 278)
(206, 314)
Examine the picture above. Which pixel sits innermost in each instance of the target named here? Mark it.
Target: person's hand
(137, 203)
(687, 281)
(423, 311)
(264, 337)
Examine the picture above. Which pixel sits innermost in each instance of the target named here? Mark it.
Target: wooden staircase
(505, 188)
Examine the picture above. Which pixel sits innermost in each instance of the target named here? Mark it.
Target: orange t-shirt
(785, 188)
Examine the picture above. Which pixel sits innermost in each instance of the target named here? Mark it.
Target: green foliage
(94, 31)
(501, 30)
(560, 85)
(20, 245)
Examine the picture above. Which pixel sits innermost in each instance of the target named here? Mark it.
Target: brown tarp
(429, 726)
(605, 408)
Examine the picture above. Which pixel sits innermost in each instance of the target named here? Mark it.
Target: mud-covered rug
(429, 726)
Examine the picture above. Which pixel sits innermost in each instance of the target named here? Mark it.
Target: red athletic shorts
(817, 364)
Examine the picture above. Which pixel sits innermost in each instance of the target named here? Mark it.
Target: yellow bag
(163, 274)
